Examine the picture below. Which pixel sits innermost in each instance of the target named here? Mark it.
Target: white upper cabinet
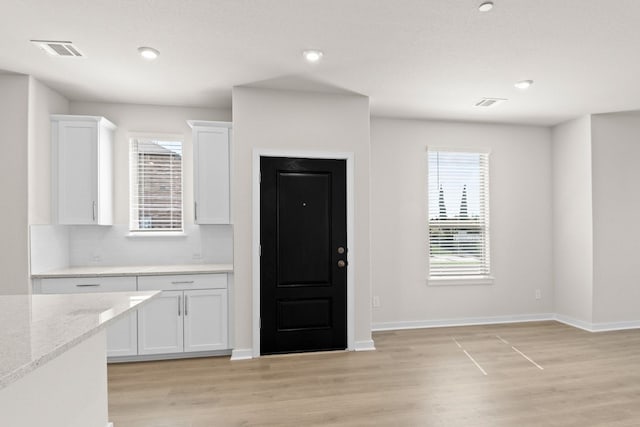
(82, 169)
(211, 147)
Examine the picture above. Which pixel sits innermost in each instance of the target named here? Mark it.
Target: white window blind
(156, 185)
(458, 214)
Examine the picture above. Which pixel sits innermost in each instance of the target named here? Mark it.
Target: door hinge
(260, 177)
(261, 323)
(260, 250)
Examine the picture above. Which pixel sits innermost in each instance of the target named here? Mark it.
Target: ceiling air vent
(59, 48)
(489, 102)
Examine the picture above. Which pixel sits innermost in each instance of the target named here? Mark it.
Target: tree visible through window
(156, 185)
(458, 214)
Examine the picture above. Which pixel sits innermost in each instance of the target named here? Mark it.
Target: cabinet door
(211, 181)
(122, 336)
(160, 324)
(77, 172)
(205, 320)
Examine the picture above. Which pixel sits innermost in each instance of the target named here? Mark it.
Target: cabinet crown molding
(205, 123)
(102, 121)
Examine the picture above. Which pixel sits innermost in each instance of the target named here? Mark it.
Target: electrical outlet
(538, 294)
(197, 256)
(376, 301)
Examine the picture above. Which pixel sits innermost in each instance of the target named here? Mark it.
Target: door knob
(341, 263)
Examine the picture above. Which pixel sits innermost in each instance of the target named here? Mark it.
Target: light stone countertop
(37, 328)
(135, 270)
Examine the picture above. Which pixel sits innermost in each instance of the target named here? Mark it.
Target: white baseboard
(109, 424)
(366, 345)
(465, 321)
(598, 327)
(241, 354)
(469, 321)
(580, 324)
(167, 356)
(616, 326)
(247, 353)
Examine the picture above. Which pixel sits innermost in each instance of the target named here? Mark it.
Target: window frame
(154, 232)
(454, 280)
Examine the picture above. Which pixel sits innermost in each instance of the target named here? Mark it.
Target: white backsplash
(112, 245)
(49, 247)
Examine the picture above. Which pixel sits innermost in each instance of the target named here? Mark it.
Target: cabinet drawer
(70, 285)
(182, 282)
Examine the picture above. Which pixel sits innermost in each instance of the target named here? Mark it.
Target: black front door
(303, 238)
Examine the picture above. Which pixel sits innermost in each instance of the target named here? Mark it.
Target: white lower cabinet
(160, 324)
(122, 335)
(205, 320)
(189, 316)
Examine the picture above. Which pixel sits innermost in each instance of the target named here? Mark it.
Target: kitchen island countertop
(38, 328)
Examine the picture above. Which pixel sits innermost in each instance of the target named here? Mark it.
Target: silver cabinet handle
(179, 304)
(186, 305)
(195, 211)
(94, 210)
(87, 285)
(184, 282)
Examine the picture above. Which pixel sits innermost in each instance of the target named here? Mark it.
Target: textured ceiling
(413, 58)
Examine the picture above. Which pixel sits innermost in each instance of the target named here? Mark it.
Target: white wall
(616, 207)
(209, 244)
(95, 245)
(55, 247)
(520, 221)
(596, 240)
(14, 252)
(287, 120)
(42, 103)
(573, 220)
(148, 119)
(48, 247)
(25, 179)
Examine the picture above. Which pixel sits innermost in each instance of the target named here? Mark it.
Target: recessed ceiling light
(312, 55)
(486, 6)
(148, 53)
(524, 84)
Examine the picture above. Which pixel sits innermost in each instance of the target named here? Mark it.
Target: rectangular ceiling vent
(489, 102)
(59, 48)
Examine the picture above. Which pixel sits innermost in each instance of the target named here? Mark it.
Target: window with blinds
(458, 214)
(156, 185)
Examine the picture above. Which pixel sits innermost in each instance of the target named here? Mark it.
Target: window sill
(155, 234)
(460, 281)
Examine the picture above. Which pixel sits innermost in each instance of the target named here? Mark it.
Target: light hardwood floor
(414, 378)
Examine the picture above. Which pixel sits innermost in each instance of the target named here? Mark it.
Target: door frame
(329, 155)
